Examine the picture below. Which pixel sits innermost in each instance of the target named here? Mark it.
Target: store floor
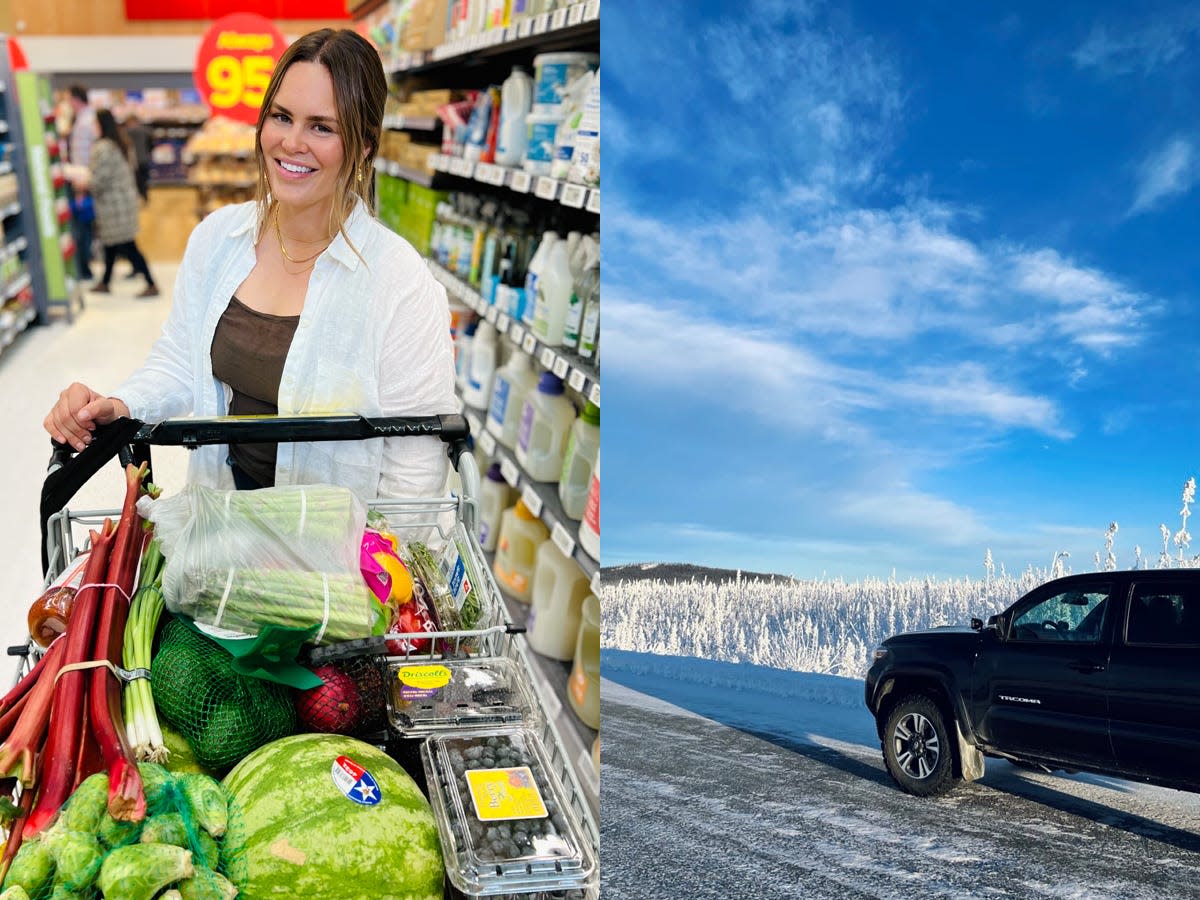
(108, 339)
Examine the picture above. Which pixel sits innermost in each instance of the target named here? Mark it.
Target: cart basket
(130, 441)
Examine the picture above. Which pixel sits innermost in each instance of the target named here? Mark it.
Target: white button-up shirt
(372, 339)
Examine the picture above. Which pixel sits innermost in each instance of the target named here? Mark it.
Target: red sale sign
(235, 62)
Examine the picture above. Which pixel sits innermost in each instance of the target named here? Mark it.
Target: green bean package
(288, 555)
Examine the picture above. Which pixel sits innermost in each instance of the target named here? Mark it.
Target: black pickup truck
(1099, 673)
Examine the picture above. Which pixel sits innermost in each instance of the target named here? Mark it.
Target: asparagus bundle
(247, 599)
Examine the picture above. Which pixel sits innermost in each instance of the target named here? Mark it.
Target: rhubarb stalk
(126, 800)
(66, 718)
(26, 737)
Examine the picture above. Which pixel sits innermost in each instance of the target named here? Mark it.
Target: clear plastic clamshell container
(502, 815)
(456, 695)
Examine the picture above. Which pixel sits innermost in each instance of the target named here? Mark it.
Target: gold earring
(361, 176)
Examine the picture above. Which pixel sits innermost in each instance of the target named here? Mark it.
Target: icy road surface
(697, 809)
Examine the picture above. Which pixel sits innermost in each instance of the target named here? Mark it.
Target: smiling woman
(300, 301)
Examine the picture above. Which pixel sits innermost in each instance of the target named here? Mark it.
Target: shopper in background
(111, 184)
(79, 148)
(300, 301)
(138, 136)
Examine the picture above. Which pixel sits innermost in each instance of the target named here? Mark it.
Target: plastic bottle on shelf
(583, 687)
(545, 423)
(495, 496)
(489, 265)
(534, 271)
(516, 101)
(589, 328)
(585, 283)
(481, 366)
(552, 72)
(589, 528)
(556, 603)
(574, 258)
(521, 532)
(554, 286)
(510, 282)
(575, 479)
(477, 127)
(462, 353)
(510, 387)
(572, 112)
(541, 130)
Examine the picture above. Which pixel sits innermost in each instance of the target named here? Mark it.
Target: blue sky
(887, 286)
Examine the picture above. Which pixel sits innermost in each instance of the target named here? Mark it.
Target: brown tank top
(248, 352)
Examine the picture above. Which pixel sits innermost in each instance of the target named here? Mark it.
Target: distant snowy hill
(827, 626)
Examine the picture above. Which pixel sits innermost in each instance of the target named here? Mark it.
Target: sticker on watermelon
(355, 782)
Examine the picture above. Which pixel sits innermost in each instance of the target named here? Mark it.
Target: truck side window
(1075, 615)
(1164, 616)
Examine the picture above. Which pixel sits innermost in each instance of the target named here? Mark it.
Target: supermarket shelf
(13, 248)
(566, 193)
(578, 374)
(411, 123)
(394, 169)
(13, 322)
(580, 21)
(18, 284)
(540, 496)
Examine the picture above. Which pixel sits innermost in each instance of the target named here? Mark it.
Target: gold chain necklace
(283, 249)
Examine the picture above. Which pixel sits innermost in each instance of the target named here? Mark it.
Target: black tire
(917, 747)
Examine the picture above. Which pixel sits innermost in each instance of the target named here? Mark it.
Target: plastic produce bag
(288, 555)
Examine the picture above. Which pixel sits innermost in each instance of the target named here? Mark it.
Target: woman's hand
(78, 411)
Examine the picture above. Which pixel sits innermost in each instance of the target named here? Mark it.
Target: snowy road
(696, 809)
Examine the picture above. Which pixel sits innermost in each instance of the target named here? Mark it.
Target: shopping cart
(452, 518)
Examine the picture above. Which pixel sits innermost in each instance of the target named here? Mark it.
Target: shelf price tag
(594, 396)
(593, 201)
(529, 344)
(486, 442)
(560, 19)
(561, 367)
(577, 380)
(575, 14)
(541, 23)
(502, 323)
(573, 195)
(520, 182)
(591, 11)
(508, 469)
(562, 539)
(525, 28)
(532, 499)
(547, 188)
(234, 63)
(483, 172)
(498, 175)
(517, 334)
(548, 357)
(492, 315)
(510, 33)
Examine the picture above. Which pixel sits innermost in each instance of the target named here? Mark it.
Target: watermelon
(329, 817)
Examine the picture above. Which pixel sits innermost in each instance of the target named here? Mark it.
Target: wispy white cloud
(1168, 172)
(782, 381)
(1116, 49)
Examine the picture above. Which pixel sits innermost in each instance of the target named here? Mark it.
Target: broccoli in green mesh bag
(191, 841)
(221, 713)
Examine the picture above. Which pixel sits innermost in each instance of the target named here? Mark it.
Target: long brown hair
(359, 93)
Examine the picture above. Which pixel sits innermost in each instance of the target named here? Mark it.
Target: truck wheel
(917, 748)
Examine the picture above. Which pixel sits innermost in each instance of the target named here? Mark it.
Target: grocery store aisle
(107, 340)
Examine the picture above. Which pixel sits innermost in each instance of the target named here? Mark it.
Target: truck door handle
(1086, 666)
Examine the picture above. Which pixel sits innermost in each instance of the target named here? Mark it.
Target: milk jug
(576, 476)
(559, 586)
(516, 548)
(583, 687)
(554, 286)
(516, 101)
(589, 528)
(480, 366)
(510, 387)
(495, 496)
(545, 422)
